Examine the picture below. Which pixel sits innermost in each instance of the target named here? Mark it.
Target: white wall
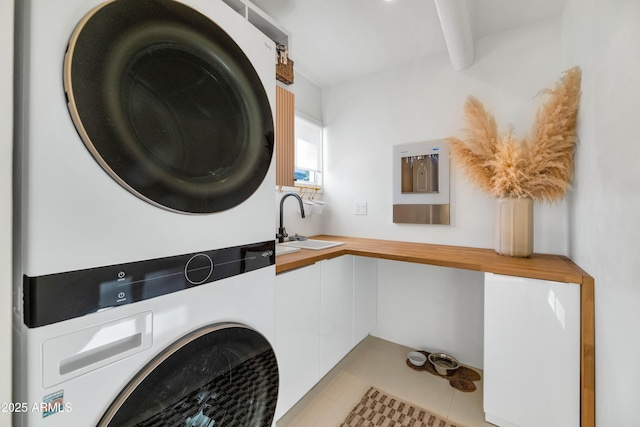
(423, 100)
(603, 37)
(420, 307)
(6, 146)
(419, 101)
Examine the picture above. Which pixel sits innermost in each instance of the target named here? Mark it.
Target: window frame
(310, 123)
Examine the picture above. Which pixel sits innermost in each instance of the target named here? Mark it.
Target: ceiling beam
(455, 20)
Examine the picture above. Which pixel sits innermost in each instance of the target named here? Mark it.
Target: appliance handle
(96, 355)
(84, 350)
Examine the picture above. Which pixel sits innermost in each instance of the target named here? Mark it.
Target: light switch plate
(360, 208)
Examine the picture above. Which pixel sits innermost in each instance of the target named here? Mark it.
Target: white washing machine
(145, 133)
(177, 341)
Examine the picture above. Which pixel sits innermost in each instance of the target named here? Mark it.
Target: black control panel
(57, 297)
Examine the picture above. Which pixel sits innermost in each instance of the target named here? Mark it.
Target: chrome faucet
(282, 232)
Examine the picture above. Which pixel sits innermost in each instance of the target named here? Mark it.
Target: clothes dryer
(146, 130)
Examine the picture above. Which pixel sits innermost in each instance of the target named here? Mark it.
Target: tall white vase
(514, 226)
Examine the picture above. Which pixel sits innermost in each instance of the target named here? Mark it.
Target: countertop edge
(539, 266)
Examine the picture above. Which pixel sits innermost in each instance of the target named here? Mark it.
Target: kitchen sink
(312, 244)
(281, 249)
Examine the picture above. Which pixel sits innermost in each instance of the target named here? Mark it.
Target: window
(308, 152)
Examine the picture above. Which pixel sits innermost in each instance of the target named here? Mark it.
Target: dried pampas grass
(540, 168)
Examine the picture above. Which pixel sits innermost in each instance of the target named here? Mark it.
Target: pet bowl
(417, 359)
(444, 364)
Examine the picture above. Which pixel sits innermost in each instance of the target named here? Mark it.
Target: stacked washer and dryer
(145, 187)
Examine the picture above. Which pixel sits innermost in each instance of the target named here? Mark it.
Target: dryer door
(221, 375)
(169, 105)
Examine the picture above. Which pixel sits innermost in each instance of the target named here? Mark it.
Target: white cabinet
(336, 311)
(322, 312)
(297, 334)
(531, 352)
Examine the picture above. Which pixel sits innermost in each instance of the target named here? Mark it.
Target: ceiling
(337, 40)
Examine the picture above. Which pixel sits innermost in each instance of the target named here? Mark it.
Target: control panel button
(198, 269)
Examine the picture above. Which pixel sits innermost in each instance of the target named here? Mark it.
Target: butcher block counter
(538, 266)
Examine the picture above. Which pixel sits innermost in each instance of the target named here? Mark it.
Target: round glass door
(221, 375)
(169, 105)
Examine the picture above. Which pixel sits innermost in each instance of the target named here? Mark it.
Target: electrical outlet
(361, 208)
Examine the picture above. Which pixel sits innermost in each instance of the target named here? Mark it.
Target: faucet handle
(297, 237)
(282, 233)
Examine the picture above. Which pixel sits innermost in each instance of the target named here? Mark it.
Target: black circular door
(169, 105)
(221, 375)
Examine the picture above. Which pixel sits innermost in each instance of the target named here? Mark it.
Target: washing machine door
(221, 375)
(169, 105)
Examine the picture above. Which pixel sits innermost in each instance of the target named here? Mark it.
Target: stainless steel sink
(312, 244)
(281, 249)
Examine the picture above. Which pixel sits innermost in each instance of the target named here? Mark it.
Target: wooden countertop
(538, 266)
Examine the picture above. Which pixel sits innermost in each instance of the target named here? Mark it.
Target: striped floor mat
(380, 409)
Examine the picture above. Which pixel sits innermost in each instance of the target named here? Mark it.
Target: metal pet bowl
(444, 364)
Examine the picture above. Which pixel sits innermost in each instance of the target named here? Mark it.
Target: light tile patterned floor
(380, 363)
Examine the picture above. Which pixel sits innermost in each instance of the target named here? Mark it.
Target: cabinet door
(531, 352)
(336, 311)
(297, 334)
(365, 295)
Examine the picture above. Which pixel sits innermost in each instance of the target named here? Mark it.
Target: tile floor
(380, 363)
